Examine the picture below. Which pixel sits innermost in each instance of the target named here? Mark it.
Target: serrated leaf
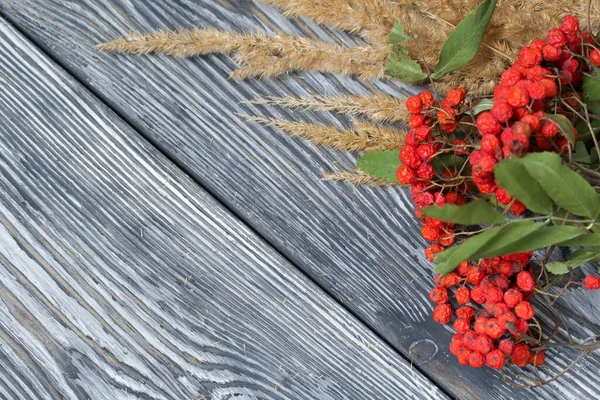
(590, 239)
(464, 40)
(514, 178)
(404, 68)
(381, 164)
(483, 105)
(397, 35)
(477, 212)
(543, 237)
(591, 84)
(581, 154)
(564, 186)
(483, 242)
(578, 258)
(564, 125)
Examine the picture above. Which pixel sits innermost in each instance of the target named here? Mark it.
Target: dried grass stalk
(364, 136)
(357, 177)
(373, 18)
(261, 55)
(379, 107)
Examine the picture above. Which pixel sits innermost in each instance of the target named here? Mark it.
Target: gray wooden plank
(360, 244)
(121, 278)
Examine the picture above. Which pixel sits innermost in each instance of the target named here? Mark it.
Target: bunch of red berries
(491, 295)
(490, 301)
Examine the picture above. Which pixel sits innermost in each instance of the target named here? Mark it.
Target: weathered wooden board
(359, 244)
(120, 278)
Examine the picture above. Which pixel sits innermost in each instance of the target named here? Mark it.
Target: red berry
(489, 144)
(465, 312)
(414, 104)
(525, 281)
(438, 295)
(430, 233)
(409, 157)
(483, 344)
(452, 279)
(591, 282)
(537, 359)
(455, 96)
(463, 295)
(475, 275)
(502, 111)
(570, 24)
(405, 175)
(506, 346)
(524, 310)
(456, 343)
(476, 360)
(427, 99)
(512, 297)
(425, 151)
(442, 313)
(556, 38)
(462, 325)
(493, 295)
(595, 57)
(551, 53)
(425, 172)
(517, 97)
(520, 355)
(495, 359)
(488, 124)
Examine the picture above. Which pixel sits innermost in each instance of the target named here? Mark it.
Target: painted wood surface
(360, 244)
(121, 279)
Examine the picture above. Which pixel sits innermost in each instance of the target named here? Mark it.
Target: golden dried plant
(515, 23)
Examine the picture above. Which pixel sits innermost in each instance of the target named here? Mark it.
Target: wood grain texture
(360, 244)
(121, 279)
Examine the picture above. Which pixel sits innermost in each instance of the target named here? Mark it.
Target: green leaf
(564, 125)
(404, 68)
(443, 162)
(483, 242)
(381, 164)
(397, 35)
(514, 178)
(581, 154)
(577, 258)
(590, 239)
(564, 186)
(583, 129)
(543, 237)
(591, 85)
(594, 158)
(477, 212)
(464, 40)
(483, 105)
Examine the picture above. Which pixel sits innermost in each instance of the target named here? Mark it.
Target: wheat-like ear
(364, 136)
(379, 107)
(357, 177)
(259, 54)
(374, 19)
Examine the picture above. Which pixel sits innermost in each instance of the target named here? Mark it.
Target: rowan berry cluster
(490, 302)
(489, 297)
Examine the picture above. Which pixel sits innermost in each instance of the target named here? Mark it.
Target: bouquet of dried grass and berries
(501, 152)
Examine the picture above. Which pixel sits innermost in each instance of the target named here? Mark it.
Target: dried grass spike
(379, 107)
(374, 18)
(259, 54)
(357, 177)
(363, 137)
